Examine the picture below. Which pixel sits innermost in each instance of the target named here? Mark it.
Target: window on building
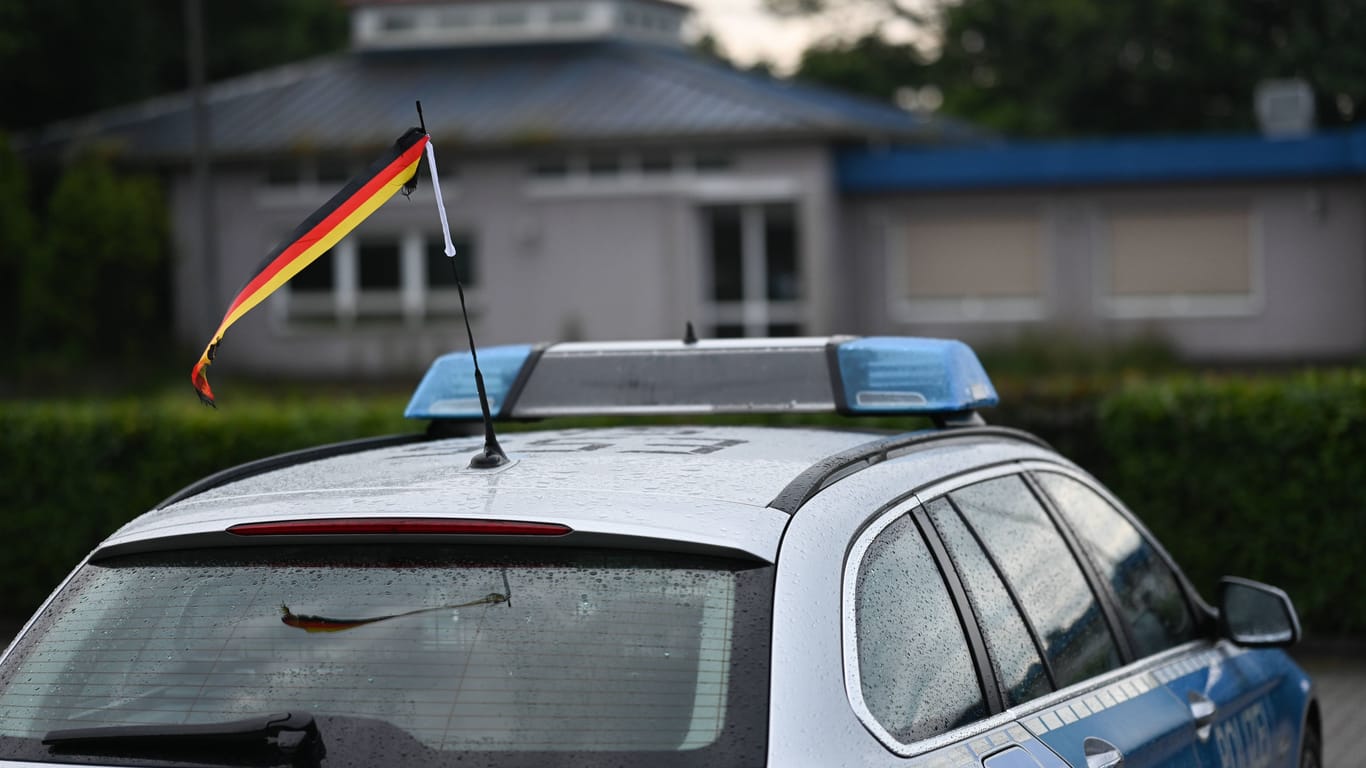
(977, 267)
(916, 676)
(283, 172)
(568, 14)
(398, 21)
(334, 169)
(754, 284)
(376, 280)
(1149, 596)
(711, 162)
(455, 18)
(604, 164)
(509, 17)
(1041, 570)
(1180, 262)
(656, 161)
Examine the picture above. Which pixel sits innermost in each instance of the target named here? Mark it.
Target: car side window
(1014, 655)
(1148, 593)
(1057, 601)
(916, 676)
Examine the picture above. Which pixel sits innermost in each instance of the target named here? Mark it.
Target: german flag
(361, 196)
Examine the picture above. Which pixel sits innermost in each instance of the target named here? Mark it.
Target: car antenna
(492, 456)
(689, 335)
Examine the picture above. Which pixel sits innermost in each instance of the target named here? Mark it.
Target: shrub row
(1262, 478)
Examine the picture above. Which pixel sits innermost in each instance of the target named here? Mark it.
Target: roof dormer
(402, 24)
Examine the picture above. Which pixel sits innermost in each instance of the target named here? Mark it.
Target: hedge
(72, 472)
(1261, 478)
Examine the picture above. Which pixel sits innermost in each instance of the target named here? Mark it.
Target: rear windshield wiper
(292, 735)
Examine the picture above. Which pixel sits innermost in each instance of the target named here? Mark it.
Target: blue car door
(1057, 657)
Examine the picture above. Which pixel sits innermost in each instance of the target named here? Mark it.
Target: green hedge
(1263, 478)
(72, 472)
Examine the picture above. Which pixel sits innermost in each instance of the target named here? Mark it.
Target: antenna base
(487, 459)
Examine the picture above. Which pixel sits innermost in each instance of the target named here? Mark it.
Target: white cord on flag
(440, 204)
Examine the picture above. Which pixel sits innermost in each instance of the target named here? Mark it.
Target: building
(605, 182)
(1231, 248)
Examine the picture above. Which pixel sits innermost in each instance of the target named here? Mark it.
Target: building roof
(1103, 161)
(497, 96)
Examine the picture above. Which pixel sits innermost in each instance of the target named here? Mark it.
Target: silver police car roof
(705, 485)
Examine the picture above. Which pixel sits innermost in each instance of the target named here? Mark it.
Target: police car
(659, 595)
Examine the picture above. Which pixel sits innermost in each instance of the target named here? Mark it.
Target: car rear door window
(1056, 598)
(1145, 587)
(458, 655)
(1020, 670)
(916, 676)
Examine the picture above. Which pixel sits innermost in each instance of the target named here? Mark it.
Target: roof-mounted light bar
(874, 376)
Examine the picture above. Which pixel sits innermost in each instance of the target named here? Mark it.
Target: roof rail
(840, 465)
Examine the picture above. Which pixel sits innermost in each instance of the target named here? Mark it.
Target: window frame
(912, 503)
(967, 620)
(1024, 308)
(1168, 306)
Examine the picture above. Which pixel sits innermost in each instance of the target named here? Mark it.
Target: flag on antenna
(362, 196)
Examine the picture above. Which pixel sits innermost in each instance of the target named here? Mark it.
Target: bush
(1261, 478)
(73, 472)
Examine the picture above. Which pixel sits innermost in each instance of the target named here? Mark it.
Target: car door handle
(1101, 753)
(1202, 709)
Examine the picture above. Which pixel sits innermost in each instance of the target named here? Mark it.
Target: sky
(748, 34)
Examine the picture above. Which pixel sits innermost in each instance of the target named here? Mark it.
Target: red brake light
(399, 525)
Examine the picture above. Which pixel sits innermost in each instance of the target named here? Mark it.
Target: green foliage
(98, 288)
(16, 244)
(869, 65)
(73, 472)
(1057, 67)
(1260, 478)
(1252, 477)
(63, 58)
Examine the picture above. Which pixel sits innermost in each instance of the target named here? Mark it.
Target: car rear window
(475, 655)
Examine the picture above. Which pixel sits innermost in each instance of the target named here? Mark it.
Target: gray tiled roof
(514, 95)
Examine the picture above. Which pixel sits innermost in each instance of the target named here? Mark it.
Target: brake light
(374, 525)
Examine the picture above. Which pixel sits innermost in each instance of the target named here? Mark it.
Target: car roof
(691, 478)
(713, 486)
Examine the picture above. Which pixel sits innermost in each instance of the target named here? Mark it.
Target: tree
(17, 232)
(64, 58)
(870, 65)
(1055, 67)
(97, 289)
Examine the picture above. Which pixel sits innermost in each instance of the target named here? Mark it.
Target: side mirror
(1255, 615)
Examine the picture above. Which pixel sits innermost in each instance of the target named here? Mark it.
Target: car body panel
(810, 585)
(711, 488)
(1261, 698)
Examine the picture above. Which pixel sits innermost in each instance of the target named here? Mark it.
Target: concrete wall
(585, 257)
(1307, 250)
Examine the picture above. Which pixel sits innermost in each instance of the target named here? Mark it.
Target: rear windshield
(437, 654)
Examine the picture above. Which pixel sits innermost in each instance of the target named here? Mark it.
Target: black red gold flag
(361, 196)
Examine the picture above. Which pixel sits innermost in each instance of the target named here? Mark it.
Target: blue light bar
(887, 374)
(840, 374)
(448, 390)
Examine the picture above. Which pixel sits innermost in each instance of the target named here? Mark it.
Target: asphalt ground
(1339, 673)
(1341, 681)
